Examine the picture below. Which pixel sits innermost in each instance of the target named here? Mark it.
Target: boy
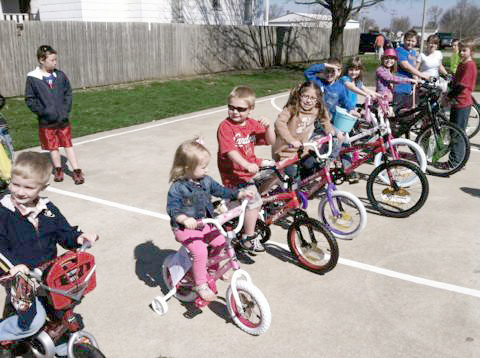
(407, 67)
(237, 137)
(49, 95)
(30, 228)
(455, 57)
(334, 92)
(462, 87)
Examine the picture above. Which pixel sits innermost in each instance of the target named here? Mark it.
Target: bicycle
(342, 212)
(6, 152)
(246, 304)
(64, 281)
(434, 133)
(473, 122)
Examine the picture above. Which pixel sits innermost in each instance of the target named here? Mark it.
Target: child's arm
(270, 133)
(67, 96)
(188, 222)
(311, 72)
(174, 208)
(31, 98)
(354, 88)
(405, 65)
(237, 158)
(281, 128)
(385, 74)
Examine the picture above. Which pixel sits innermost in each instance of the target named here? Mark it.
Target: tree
(434, 13)
(276, 11)
(463, 19)
(401, 24)
(341, 11)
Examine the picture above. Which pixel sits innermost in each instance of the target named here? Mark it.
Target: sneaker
(78, 177)
(227, 275)
(58, 174)
(252, 244)
(205, 292)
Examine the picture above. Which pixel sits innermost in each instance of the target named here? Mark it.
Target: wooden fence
(96, 54)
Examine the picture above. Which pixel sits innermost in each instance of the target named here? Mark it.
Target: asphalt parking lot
(403, 288)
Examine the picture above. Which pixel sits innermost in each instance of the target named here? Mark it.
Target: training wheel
(159, 305)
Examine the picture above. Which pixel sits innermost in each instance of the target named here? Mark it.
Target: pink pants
(197, 242)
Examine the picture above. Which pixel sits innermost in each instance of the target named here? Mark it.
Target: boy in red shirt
(237, 137)
(462, 87)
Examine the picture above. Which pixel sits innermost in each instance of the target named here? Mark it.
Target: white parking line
(164, 123)
(378, 270)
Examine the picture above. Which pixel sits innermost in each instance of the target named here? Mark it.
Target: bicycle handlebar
(316, 143)
(221, 219)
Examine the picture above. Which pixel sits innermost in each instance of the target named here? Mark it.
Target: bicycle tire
(304, 248)
(414, 154)
(391, 199)
(262, 230)
(473, 122)
(349, 223)
(185, 291)
(257, 316)
(436, 150)
(86, 350)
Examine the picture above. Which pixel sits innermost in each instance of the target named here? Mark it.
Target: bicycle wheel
(85, 350)
(407, 150)
(473, 123)
(185, 291)
(263, 230)
(447, 149)
(344, 215)
(393, 199)
(256, 316)
(313, 245)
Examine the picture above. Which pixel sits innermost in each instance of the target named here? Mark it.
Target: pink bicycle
(246, 304)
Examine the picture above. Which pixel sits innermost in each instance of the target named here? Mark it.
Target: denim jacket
(193, 198)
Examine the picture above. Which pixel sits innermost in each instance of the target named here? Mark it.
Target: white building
(225, 12)
(305, 19)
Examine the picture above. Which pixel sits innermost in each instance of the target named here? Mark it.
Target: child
(463, 84)
(189, 199)
(431, 62)
(30, 229)
(407, 67)
(455, 57)
(304, 111)
(237, 136)
(385, 78)
(49, 95)
(334, 92)
(352, 80)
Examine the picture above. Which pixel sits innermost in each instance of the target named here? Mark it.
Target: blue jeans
(16, 327)
(460, 118)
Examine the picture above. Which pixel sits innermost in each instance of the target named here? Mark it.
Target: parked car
(445, 39)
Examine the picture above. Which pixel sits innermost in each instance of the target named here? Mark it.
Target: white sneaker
(252, 244)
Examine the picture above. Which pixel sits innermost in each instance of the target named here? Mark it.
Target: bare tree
(401, 24)
(276, 11)
(463, 19)
(341, 11)
(434, 13)
(367, 24)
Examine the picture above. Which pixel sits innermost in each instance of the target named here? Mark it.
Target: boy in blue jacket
(30, 229)
(48, 94)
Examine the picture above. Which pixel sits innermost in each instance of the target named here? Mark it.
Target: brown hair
(187, 157)
(355, 63)
(434, 39)
(43, 52)
(409, 34)
(469, 43)
(33, 165)
(243, 92)
(293, 102)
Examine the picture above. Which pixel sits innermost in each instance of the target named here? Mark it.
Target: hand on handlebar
(252, 168)
(295, 144)
(246, 194)
(91, 238)
(19, 268)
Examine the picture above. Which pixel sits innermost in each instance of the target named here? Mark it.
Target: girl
(385, 78)
(431, 62)
(352, 80)
(304, 112)
(189, 199)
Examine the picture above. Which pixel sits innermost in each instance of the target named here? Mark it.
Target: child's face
(308, 99)
(455, 47)
(389, 61)
(332, 74)
(465, 53)
(238, 110)
(202, 168)
(353, 72)
(410, 42)
(49, 63)
(431, 47)
(25, 191)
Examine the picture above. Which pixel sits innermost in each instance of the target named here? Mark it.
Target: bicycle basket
(73, 272)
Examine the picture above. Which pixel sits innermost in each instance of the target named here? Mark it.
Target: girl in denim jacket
(189, 199)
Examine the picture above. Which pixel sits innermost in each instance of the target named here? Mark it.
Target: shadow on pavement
(471, 191)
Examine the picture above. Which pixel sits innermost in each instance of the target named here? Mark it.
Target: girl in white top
(431, 62)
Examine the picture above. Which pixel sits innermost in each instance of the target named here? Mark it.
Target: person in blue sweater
(48, 94)
(30, 229)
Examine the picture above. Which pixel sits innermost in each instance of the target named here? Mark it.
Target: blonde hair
(243, 92)
(187, 157)
(468, 43)
(33, 165)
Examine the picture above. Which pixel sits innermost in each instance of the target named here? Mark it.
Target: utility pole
(267, 11)
(423, 24)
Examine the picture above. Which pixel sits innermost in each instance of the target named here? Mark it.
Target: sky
(383, 14)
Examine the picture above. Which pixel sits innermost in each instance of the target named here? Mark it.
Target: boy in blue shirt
(407, 62)
(30, 229)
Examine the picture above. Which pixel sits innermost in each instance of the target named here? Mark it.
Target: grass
(101, 109)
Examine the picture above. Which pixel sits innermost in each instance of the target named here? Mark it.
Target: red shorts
(53, 138)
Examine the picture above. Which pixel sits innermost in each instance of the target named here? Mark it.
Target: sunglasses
(238, 109)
